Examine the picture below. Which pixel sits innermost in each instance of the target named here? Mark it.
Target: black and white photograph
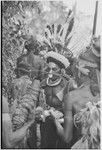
(51, 74)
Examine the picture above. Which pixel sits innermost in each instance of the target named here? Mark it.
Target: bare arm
(67, 132)
(11, 138)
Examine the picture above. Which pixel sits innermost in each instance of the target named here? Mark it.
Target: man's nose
(50, 74)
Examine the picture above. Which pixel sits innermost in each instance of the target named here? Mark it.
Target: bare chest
(51, 96)
(80, 97)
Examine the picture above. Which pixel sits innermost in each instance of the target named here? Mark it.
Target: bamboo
(95, 18)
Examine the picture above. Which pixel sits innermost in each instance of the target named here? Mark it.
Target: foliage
(22, 20)
(89, 120)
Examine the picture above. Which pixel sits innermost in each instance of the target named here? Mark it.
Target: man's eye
(47, 69)
(55, 69)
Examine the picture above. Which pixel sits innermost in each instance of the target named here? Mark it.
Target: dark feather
(53, 28)
(69, 28)
(48, 26)
(58, 28)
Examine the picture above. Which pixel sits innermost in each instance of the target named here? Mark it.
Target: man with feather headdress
(58, 58)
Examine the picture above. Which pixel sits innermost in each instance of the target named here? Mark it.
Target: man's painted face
(54, 77)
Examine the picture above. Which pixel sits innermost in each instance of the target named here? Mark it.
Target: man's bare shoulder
(83, 92)
(75, 95)
(80, 97)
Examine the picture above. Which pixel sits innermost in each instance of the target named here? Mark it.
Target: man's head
(56, 62)
(32, 45)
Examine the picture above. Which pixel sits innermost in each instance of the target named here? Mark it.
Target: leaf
(93, 132)
(83, 70)
(80, 144)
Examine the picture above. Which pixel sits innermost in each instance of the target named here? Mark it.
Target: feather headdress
(57, 36)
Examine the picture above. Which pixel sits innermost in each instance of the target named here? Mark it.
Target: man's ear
(63, 71)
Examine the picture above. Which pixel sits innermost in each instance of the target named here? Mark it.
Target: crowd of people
(48, 92)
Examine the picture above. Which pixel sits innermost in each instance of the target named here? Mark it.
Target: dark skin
(51, 98)
(51, 91)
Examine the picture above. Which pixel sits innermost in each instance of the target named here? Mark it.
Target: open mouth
(53, 81)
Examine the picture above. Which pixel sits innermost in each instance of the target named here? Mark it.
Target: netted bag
(19, 87)
(25, 109)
